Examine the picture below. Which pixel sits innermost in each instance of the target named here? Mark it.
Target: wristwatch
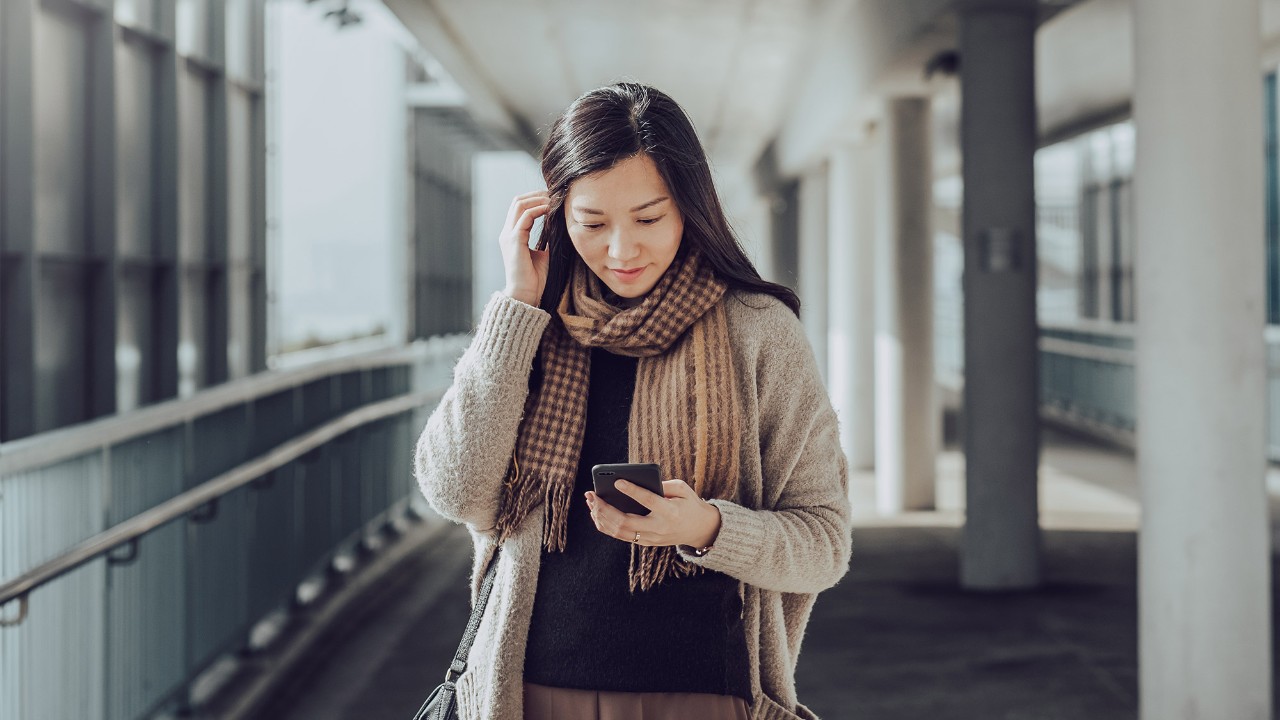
(696, 552)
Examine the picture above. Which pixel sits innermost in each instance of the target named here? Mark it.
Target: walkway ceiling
(730, 63)
(747, 71)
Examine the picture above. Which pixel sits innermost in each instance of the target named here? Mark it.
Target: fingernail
(622, 483)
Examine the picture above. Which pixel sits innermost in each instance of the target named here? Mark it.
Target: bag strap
(473, 624)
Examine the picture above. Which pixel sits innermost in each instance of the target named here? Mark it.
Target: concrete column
(1000, 548)
(851, 206)
(813, 236)
(1203, 559)
(907, 420)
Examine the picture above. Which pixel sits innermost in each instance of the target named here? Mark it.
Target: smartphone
(646, 475)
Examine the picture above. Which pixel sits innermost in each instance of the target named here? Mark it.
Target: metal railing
(137, 550)
(1087, 377)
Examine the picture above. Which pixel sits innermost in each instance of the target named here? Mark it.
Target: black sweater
(588, 632)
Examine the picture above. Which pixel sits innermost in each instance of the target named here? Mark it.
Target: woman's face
(624, 219)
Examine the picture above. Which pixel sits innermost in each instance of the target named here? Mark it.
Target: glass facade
(131, 257)
(1084, 227)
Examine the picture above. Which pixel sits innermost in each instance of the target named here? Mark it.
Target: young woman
(637, 331)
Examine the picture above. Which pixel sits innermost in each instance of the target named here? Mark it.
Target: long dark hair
(615, 122)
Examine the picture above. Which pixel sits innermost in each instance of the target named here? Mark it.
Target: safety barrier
(137, 550)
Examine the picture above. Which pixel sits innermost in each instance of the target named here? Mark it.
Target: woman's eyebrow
(655, 201)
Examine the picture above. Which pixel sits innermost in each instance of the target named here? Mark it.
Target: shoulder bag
(442, 703)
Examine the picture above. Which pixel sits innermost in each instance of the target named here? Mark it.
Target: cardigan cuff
(510, 330)
(736, 549)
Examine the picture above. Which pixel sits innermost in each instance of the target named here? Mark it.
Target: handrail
(1094, 326)
(56, 445)
(1085, 351)
(207, 492)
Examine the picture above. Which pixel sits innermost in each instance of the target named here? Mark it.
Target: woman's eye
(651, 221)
(589, 227)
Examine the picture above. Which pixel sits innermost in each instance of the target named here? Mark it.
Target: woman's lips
(631, 275)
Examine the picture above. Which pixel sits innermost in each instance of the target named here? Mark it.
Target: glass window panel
(193, 140)
(191, 332)
(135, 113)
(61, 133)
(1089, 254)
(1100, 156)
(238, 325)
(239, 174)
(136, 13)
(240, 39)
(1102, 232)
(133, 340)
(193, 27)
(62, 349)
(240, 188)
(1126, 243)
(1122, 142)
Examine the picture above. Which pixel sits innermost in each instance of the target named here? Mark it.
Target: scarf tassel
(652, 565)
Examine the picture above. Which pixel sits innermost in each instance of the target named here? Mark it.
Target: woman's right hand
(526, 268)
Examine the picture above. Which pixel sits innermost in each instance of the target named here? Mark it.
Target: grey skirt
(551, 703)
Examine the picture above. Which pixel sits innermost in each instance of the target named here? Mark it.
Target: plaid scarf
(684, 414)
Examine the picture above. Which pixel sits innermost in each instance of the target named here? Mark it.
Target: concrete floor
(896, 639)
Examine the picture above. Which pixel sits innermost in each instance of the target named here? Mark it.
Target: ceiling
(730, 63)
(748, 72)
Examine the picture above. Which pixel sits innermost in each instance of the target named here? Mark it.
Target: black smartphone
(646, 475)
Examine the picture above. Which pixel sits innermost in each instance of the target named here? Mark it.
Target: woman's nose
(622, 248)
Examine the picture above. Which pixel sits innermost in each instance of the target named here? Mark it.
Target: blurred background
(242, 243)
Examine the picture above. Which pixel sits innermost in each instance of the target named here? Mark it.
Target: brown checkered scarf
(684, 414)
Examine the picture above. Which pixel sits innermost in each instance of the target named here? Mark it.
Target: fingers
(619, 525)
(523, 202)
(525, 223)
(677, 488)
(639, 494)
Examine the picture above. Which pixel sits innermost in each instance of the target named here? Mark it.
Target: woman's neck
(618, 301)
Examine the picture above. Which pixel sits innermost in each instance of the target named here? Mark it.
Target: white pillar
(1000, 547)
(851, 207)
(907, 420)
(1203, 558)
(813, 261)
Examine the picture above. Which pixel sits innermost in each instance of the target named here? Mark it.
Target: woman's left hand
(680, 518)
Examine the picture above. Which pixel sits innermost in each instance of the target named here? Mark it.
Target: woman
(637, 331)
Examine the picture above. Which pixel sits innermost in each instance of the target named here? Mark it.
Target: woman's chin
(631, 294)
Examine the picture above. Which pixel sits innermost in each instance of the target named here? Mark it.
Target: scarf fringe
(555, 513)
(517, 499)
(656, 564)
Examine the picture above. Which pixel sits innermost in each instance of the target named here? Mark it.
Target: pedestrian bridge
(259, 550)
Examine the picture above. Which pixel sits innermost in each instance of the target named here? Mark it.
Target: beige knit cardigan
(787, 538)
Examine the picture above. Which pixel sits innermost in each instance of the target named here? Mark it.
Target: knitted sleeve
(462, 453)
(802, 542)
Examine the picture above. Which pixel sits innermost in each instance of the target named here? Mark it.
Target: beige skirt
(551, 703)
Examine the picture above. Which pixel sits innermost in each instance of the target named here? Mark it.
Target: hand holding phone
(646, 475)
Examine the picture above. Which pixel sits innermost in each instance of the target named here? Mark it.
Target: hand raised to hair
(526, 269)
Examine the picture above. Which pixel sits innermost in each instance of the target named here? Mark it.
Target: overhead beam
(485, 101)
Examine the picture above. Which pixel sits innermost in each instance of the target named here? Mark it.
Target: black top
(588, 631)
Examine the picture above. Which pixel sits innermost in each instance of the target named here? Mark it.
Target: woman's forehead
(630, 185)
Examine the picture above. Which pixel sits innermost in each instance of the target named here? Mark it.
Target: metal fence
(1087, 380)
(272, 477)
(1087, 377)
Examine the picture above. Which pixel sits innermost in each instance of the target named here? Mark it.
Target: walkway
(895, 640)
